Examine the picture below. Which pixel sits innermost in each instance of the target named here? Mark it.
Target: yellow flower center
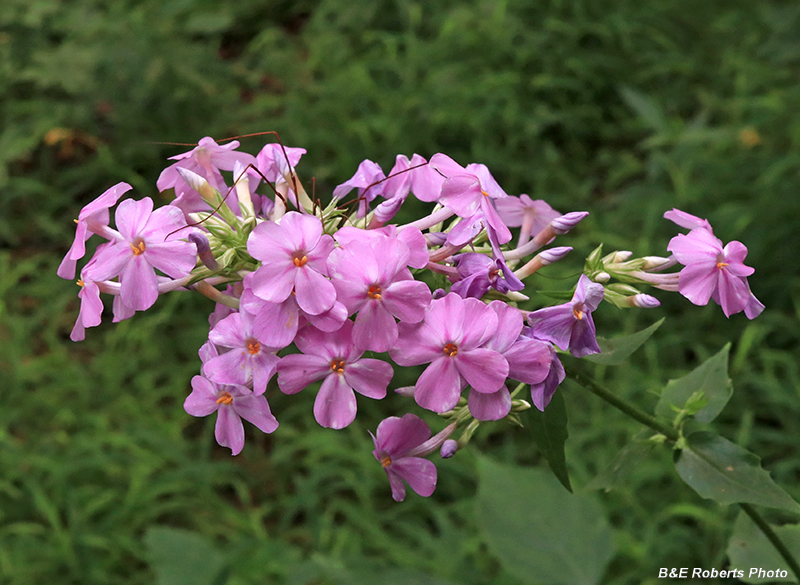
(374, 292)
(337, 366)
(450, 350)
(253, 346)
(386, 462)
(225, 398)
(138, 249)
(300, 261)
(578, 313)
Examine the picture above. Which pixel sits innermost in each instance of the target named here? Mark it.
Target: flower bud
(407, 391)
(601, 277)
(199, 184)
(563, 224)
(243, 189)
(619, 257)
(644, 301)
(438, 294)
(203, 250)
(449, 448)
(553, 254)
(386, 210)
(657, 262)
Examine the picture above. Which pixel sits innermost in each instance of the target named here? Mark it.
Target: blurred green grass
(621, 108)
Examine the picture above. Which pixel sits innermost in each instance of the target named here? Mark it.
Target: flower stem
(673, 435)
(618, 403)
(773, 538)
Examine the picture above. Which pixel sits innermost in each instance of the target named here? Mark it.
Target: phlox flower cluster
(332, 300)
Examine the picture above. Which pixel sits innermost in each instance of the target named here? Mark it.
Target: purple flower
(532, 216)
(333, 358)
(206, 159)
(570, 326)
(294, 257)
(92, 218)
(542, 393)
(272, 162)
(247, 361)
(146, 240)
(367, 180)
(451, 339)
(395, 443)
(372, 279)
(469, 191)
(713, 272)
(90, 312)
(231, 403)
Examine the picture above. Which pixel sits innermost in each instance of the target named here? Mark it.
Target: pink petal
(229, 368)
(330, 320)
(297, 371)
(494, 406)
(369, 377)
(132, 216)
(483, 369)
(175, 259)
(274, 282)
(509, 326)
(229, 430)
(439, 386)
(203, 399)
(698, 281)
(315, 293)
(335, 406)
(139, 288)
(375, 329)
(228, 332)
(408, 300)
(462, 194)
(397, 436)
(275, 324)
(419, 473)
(255, 410)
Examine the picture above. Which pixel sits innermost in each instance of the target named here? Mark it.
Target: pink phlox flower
(396, 440)
(368, 180)
(529, 215)
(468, 191)
(570, 326)
(415, 176)
(373, 280)
(451, 339)
(206, 159)
(232, 403)
(92, 218)
(479, 273)
(247, 361)
(147, 240)
(687, 220)
(294, 256)
(712, 271)
(333, 358)
(528, 360)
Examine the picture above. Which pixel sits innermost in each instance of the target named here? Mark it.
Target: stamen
(75, 220)
(578, 313)
(80, 283)
(300, 261)
(253, 346)
(386, 462)
(722, 264)
(484, 193)
(450, 350)
(374, 292)
(138, 250)
(225, 398)
(337, 366)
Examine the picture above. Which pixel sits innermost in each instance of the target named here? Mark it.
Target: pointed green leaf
(748, 548)
(539, 532)
(720, 470)
(615, 351)
(549, 430)
(183, 557)
(710, 378)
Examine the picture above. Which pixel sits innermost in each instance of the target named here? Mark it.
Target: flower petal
(335, 406)
(439, 386)
(229, 430)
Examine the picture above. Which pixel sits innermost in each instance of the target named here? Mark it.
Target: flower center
(578, 313)
(225, 398)
(450, 350)
(374, 292)
(138, 248)
(721, 264)
(337, 366)
(300, 261)
(253, 346)
(386, 462)
(80, 283)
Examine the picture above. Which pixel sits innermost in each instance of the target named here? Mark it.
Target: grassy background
(621, 108)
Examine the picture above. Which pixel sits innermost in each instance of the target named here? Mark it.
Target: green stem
(773, 538)
(673, 435)
(620, 404)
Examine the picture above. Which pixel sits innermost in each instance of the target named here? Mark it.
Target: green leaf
(748, 548)
(710, 378)
(628, 460)
(647, 109)
(183, 557)
(615, 351)
(539, 532)
(722, 471)
(549, 430)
